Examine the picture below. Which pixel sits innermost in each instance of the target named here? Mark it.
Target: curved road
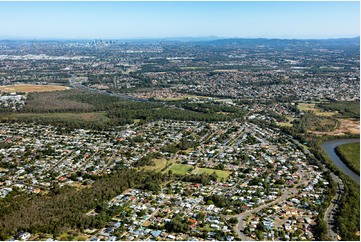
(332, 209)
(242, 216)
(329, 214)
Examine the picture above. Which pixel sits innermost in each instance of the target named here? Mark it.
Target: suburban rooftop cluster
(254, 167)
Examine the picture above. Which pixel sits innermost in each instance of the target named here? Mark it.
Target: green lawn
(284, 124)
(220, 173)
(306, 107)
(350, 154)
(179, 169)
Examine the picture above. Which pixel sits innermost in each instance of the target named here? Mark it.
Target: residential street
(242, 217)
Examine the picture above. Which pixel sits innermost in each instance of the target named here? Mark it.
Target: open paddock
(312, 107)
(32, 88)
(347, 126)
(160, 164)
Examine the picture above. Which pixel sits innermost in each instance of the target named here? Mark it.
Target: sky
(126, 20)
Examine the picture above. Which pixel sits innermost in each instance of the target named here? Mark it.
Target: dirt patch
(347, 126)
(226, 70)
(32, 88)
(91, 116)
(147, 223)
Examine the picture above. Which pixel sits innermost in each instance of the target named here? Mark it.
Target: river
(330, 146)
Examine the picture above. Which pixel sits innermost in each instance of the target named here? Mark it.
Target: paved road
(332, 209)
(242, 216)
(281, 222)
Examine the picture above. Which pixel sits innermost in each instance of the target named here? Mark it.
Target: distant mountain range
(211, 40)
(261, 41)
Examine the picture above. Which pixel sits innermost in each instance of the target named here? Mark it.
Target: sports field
(179, 169)
(219, 173)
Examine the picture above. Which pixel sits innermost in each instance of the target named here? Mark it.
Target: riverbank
(329, 149)
(350, 155)
(346, 221)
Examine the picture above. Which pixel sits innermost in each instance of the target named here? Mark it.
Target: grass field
(179, 169)
(180, 98)
(147, 223)
(32, 88)
(345, 109)
(220, 173)
(284, 124)
(40, 236)
(187, 151)
(347, 126)
(226, 70)
(306, 106)
(290, 119)
(159, 164)
(72, 235)
(312, 107)
(192, 67)
(350, 154)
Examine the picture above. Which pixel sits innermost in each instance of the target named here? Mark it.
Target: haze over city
(124, 20)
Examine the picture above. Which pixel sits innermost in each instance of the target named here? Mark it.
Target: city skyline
(127, 20)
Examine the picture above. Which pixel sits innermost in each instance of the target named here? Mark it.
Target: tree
(177, 224)
(233, 220)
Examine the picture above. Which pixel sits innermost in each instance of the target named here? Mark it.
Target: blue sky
(179, 19)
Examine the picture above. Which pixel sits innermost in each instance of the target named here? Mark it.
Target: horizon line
(211, 37)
